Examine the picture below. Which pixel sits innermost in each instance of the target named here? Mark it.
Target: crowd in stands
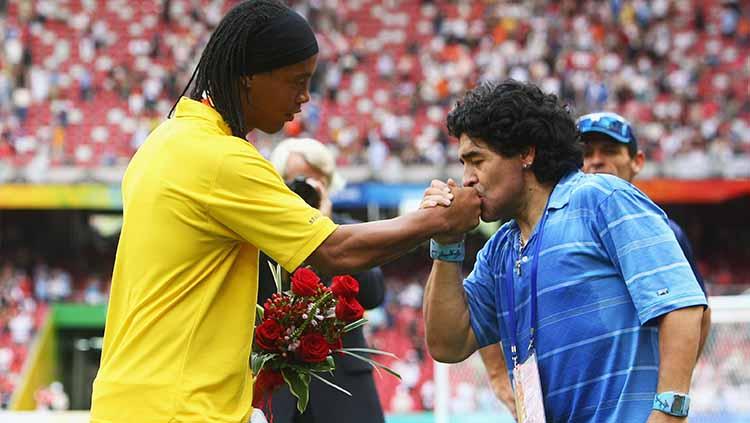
(24, 299)
(83, 83)
(721, 378)
(21, 316)
(52, 397)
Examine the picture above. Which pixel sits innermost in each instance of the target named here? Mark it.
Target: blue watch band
(447, 252)
(673, 403)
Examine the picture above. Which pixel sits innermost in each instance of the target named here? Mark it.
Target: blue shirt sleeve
(480, 291)
(641, 245)
(688, 251)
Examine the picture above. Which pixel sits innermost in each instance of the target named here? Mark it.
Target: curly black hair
(511, 117)
(227, 57)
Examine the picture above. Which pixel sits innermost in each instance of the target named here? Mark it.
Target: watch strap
(447, 252)
(673, 403)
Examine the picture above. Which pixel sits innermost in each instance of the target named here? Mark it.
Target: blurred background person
(308, 167)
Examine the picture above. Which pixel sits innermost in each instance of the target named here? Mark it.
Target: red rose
(313, 348)
(265, 383)
(305, 282)
(349, 309)
(267, 333)
(345, 286)
(336, 345)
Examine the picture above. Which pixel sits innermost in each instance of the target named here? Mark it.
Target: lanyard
(510, 291)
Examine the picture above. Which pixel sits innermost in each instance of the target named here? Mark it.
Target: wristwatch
(672, 403)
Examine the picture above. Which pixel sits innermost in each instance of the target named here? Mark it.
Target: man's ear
(636, 164)
(528, 156)
(247, 81)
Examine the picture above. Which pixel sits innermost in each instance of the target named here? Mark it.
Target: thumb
(452, 183)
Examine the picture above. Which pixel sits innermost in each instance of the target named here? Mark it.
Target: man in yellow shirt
(198, 203)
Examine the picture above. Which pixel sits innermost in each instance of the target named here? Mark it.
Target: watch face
(678, 402)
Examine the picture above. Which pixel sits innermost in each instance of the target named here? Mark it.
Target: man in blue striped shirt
(618, 309)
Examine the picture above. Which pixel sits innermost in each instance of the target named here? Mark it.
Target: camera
(306, 191)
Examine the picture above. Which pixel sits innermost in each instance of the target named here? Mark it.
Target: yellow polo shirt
(198, 204)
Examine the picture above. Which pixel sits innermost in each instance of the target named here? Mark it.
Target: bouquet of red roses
(300, 329)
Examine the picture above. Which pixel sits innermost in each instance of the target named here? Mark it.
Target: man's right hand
(460, 207)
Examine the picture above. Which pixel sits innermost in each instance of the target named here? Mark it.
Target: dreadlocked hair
(227, 58)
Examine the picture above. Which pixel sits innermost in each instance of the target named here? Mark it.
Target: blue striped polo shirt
(608, 265)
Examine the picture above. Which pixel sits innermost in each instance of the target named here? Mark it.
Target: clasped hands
(461, 207)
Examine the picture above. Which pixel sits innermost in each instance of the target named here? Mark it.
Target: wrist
(444, 239)
(441, 224)
(661, 417)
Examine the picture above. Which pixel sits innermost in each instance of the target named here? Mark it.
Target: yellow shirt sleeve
(250, 198)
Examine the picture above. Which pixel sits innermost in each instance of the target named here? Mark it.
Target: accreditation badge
(528, 392)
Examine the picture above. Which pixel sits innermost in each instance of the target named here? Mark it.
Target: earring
(526, 165)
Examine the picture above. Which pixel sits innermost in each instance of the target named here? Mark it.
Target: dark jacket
(328, 404)
(688, 251)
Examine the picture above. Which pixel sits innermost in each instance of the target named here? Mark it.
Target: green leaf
(258, 361)
(323, 366)
(276, 273)
(375, 365)
(331, 384)
(299, 385)
(354, 325)
(259, 311)
(372, 351)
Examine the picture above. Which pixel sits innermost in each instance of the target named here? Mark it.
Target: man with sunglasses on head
(610, 146)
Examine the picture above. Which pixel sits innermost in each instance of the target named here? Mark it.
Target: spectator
(436, 53)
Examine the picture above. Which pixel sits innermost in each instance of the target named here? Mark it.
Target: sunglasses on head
(612, 125)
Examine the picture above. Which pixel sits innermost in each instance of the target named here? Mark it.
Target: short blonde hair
(315, 154)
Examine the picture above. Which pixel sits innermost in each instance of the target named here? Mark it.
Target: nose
(303, 97)
(469, 179)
